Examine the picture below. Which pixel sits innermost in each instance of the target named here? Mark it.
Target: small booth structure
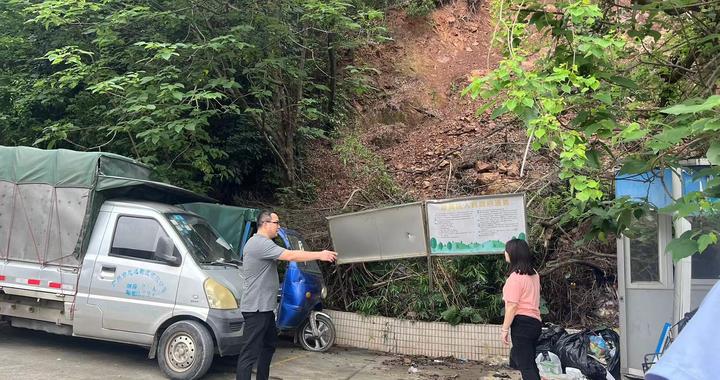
(652, 289)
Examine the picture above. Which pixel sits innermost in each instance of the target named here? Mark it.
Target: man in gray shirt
(259, 295)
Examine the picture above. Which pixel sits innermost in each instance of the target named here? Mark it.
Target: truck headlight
(218, 296)
(323, 292)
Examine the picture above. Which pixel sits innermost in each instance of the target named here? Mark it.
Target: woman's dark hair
(520, 257)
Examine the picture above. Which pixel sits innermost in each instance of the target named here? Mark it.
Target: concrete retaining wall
(434, 339)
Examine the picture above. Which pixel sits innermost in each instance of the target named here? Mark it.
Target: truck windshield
(203, 242)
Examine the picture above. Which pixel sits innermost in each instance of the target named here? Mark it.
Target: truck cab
(91, 245)
(153, 275)
(159, 276)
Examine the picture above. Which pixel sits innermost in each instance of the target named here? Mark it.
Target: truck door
(132, 286)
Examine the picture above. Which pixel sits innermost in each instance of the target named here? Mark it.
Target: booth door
(705, 266)
(645, 290)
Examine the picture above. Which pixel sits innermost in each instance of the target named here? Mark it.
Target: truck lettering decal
(140, 283)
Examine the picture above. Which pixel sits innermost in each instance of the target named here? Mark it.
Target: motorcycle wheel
(321, 343)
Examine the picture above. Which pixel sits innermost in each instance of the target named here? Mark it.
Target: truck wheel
(185, 351)
(321, 343)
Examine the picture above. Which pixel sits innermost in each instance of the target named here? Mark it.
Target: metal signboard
(383, 234)
(478, 225)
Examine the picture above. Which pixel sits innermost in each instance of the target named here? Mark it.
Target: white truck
(91, 246)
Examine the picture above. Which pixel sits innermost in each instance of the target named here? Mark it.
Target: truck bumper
(227, 326)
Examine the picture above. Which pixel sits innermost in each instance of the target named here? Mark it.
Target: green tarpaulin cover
(50, 198)
(229, 221)
(67, 168)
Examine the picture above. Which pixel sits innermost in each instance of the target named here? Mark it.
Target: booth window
(706, 265)
(644, 252)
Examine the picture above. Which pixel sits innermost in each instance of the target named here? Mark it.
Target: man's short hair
(263, 216)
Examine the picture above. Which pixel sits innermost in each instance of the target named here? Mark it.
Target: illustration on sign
(480, 225)
(140, 283)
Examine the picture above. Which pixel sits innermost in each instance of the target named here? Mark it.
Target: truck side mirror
(165, 251)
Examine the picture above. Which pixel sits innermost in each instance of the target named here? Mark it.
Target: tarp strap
(53, 212)
(32, 235)
(59, 229)
(12, 220)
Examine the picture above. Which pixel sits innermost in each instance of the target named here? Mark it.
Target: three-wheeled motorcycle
(301, 293)
(300, 305)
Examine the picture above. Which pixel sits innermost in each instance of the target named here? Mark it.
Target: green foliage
(455, 315)
(366, 305)
(466, 289)
(367, 167)
(210, 94)
(694, 106)
(697, 205)
(420, 8)
(358, 80)
(593, 92)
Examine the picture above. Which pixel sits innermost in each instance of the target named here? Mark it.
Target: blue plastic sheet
(694, 354)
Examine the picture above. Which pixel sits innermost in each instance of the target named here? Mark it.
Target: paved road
(26, 354)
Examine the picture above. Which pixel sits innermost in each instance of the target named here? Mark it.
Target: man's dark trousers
(259, 341)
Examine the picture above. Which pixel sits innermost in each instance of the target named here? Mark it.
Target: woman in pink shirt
(521, 294)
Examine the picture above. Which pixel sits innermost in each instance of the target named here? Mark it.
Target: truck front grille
(236, 326)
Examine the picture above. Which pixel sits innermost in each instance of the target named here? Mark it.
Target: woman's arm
(510, 311)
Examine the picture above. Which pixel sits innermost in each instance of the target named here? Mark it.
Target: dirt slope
(433, 146)
(428, 136)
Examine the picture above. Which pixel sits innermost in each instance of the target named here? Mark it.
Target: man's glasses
(270, 221)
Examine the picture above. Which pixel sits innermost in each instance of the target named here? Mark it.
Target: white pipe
(683, 268)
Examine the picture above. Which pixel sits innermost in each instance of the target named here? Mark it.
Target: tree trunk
(332, 71)
(289, 156)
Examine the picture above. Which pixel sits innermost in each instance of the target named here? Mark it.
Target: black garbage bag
(574, 349)
(549, 338)
(613, 340)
